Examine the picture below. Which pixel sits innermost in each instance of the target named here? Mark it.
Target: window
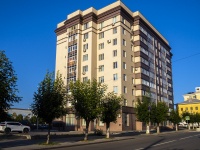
(196, 108)
(144, 31)
(124, 65)
(115, 30)
(72, 28)
(124, 53)
(86, 25)
(143, 40)
(114, 65)
(85, 79)
(101, 79)
(72, 37)
(133, 91)
(123, 31)
(72, 48)
(114, 53)
(101, 123)
(85, 68)
(115, 41)
(132, 58)
(132, 69)
(114, 20)
(83, 122)
(85, 36)
(85, 57)
(85, 46)
(115, 89)
(115, 76)
(125, 102)
(101, 68)
(133, 81)
(125, 89)
(123, 20)
(71, 69)
(145, 82)
(101, 25)
(191, 108)
(124, 42)
(186, 108)
(70, 119)
(101, 57)
(125, 77)
(101, 35)
(101, 46)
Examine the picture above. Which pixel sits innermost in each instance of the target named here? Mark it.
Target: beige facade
(119, 48)
(192, 95)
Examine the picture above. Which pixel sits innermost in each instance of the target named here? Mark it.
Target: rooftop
(190, 101)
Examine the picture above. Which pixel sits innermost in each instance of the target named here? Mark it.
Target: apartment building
(117, 47)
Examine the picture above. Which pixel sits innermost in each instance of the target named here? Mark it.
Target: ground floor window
(70, 118)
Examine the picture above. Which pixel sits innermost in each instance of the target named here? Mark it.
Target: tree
(198, 118)
(184, 114)
(159, 113)
(19, 118)
(33, 120)
(175, 118)
(86, 100)
(143, 111)
(192, 119)
(111, 105)
(49, 100)
(8, 86)
(14, 115)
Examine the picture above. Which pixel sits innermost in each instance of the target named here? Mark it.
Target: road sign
(187, 117)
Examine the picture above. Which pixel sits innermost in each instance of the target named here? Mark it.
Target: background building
(192, 95)
(18, 111)
(120, 48)
(191, 102)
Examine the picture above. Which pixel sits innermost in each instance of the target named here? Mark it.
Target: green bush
(98, 132)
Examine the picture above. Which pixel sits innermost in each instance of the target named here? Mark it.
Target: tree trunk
(147, 128)
(176, 127)
(158, 128)
(192, 125)
(86, 130)
(108, 130)
(48, 135)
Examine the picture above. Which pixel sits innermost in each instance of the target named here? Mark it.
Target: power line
(185, 57)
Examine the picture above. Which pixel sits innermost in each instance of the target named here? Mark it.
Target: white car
(10, 126)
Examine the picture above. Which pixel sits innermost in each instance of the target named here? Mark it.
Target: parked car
(10, 126)
(183, 124)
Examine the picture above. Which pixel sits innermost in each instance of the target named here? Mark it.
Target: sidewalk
(66, 139)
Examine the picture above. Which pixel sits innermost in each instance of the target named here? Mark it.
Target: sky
(27, 36)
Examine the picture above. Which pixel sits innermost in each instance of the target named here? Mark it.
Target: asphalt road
(174, 141)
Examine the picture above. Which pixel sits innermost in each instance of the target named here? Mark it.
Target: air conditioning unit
(84, 40)
(100, 29)
(109, 41)
(113, 24)
(84, 50)
(83, 73)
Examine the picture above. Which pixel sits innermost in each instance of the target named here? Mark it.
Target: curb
(86, 143)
